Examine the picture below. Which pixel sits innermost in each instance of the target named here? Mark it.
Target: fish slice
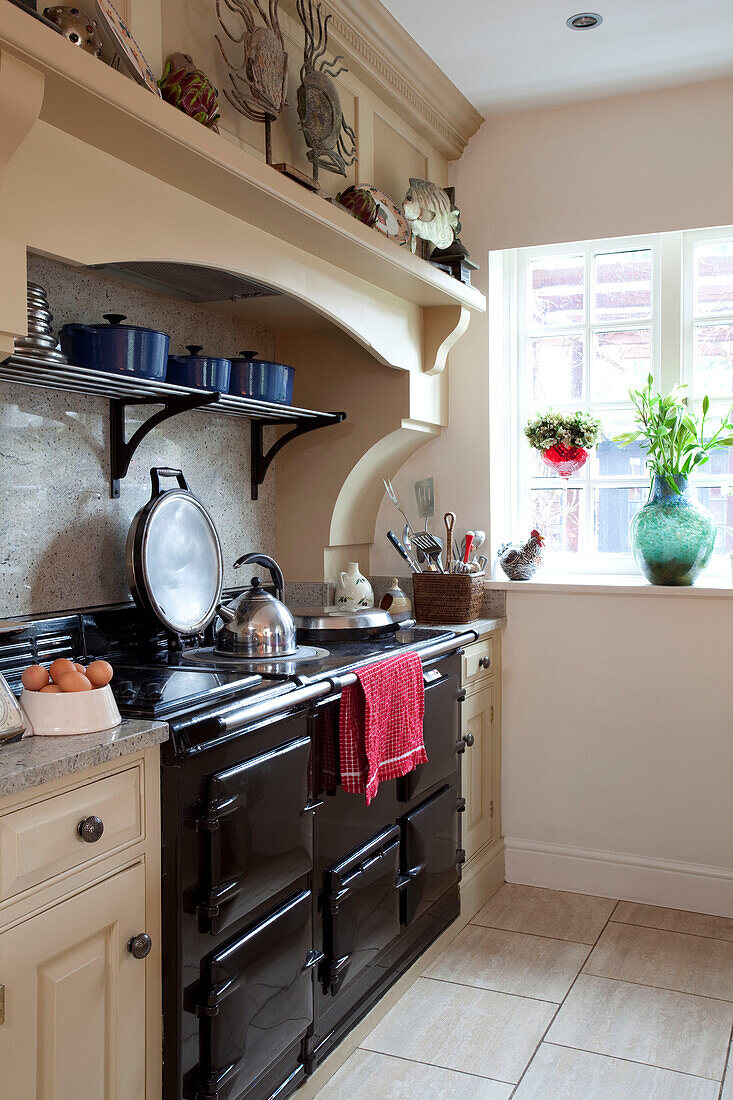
(430, 547)
(425, 497)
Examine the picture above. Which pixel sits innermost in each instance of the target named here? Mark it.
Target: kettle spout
(226, 613)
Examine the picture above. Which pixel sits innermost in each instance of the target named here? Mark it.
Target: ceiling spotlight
(584, 21)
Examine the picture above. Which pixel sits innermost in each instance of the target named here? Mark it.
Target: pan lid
(178, 563)
(339, 618)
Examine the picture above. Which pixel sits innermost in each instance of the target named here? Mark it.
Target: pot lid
(194, 351)
(114, 321)
(339, 618)
(178, 561)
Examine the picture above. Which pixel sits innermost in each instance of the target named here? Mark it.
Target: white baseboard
(695, 887)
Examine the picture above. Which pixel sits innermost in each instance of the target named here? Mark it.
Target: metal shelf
(125, 390)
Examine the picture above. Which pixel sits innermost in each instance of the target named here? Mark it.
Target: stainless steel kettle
(260, 624)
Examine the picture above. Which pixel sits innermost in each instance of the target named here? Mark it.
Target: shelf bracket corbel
(121, 449)
(261, 461)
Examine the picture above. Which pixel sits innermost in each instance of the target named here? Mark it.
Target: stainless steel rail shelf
(125, 390)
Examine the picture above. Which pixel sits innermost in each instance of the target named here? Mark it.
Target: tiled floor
(555, 996)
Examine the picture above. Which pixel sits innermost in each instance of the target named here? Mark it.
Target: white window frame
(672, 327)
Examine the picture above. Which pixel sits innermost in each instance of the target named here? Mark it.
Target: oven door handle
(311, 807)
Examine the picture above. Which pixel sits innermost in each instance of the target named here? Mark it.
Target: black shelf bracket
(261, 461)
(121, 449)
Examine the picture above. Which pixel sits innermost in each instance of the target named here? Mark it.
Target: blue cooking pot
(261, 379)
(117, 348)
(203, 372)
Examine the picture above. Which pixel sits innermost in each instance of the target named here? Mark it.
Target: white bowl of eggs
(68, 698)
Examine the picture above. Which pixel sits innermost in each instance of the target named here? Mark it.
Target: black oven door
(431, 854)
(258, 833)
(254, 1001)
(442, 735)
(361, 909)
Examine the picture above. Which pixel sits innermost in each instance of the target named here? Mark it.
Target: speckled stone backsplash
(62, 537)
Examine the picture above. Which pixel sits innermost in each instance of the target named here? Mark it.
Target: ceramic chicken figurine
(430, 215)
(190, 90)
(520, 561)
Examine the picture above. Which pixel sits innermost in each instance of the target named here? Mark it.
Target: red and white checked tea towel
(381, 724)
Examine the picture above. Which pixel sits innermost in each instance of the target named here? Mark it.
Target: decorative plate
(127, 44)
(390, 219)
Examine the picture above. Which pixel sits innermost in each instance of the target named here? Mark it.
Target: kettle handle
(158, 472)
(272, 567)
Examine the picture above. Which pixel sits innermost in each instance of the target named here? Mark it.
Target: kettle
(260, 625)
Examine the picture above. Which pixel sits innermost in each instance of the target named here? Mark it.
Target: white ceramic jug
(353, 589)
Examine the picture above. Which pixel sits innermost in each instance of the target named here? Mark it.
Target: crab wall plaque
(258, 84)
(331, 141)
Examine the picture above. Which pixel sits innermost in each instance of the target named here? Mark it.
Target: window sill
(600, 585)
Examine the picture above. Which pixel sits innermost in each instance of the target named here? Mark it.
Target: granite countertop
(481, 626)
(36, 760)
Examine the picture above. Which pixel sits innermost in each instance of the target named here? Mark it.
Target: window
(582, 323)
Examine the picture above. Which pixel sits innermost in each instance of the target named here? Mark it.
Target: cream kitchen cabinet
(80, 938)
(483, 872)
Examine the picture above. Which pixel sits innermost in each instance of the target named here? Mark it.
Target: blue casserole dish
(117, 348)
(201, 372)
(261, 379)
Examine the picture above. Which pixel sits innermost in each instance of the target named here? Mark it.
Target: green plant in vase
(673, 535)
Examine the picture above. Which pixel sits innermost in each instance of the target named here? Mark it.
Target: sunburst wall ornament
(258, 84)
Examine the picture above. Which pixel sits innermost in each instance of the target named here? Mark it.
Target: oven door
(442, 735)
(254, 1001)
(361, 909)
(431, 856)
(258, 833)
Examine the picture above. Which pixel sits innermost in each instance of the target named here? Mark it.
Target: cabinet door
(479, 774)
(75, 997)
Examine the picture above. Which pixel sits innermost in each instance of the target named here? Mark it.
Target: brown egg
(59, 667)
(79, 668)
(99, 673)
(51, 689)
(74, 681)
(35, 677)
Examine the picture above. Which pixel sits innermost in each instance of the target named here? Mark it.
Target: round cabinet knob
(140, 946)
(90, 829)
(485, 662)
(468, 739)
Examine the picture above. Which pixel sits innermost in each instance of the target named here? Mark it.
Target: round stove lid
(179, 562)
(340, 618)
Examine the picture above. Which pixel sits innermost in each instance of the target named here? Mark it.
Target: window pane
(613, 509)
(720, 502)
(714, 278)
(556, 366)
(623, 286)
(714, 360)
(613, 460)
(556, 292)
(554, 510)
(620, 359)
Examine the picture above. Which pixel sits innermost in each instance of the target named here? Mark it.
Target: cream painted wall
(617, 724)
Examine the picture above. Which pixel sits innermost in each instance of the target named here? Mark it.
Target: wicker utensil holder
(448, 597)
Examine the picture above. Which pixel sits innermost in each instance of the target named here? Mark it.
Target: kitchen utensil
(483, 562)
(117, 348)
(479, 538)
(333, 624)
(403, 552)
(449, 519)
(70, 713)
(40, 343)
(430, 547)
(262, 379)
(260, 625)
(173, 558)
(425, 496)
(393, 497)
(12, 720)
(203, 372)
(467, 548)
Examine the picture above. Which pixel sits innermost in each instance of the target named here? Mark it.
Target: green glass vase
(672, 535)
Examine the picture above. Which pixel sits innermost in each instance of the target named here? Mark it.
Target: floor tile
(510, 962)
(671, 1030)
(727, 1093)
(674, 920)
(554, 913)
(367, 1074)
(671, 960)
(558, 1073)
(456, 1027)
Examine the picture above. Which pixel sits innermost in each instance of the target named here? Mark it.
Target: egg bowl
(70, 713)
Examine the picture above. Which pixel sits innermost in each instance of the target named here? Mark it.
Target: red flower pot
(565, 461)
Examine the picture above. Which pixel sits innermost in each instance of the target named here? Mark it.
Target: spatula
(425, 497)
(430, 547)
